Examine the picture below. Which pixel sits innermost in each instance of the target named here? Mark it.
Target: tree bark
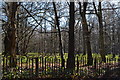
(59, 33)
(71, 57)
(86, 33)
(101, 36)
(10, 37)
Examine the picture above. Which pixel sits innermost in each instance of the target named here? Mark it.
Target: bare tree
(86, 32)
(10, 35)
(71, 55)
(60, 41)
(101, 36)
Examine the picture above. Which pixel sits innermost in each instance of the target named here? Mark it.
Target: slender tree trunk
(17, 33)
(87, 40)
(113, 41)
(59, 33)
(101, 36)
(71, 57)
(86, 33)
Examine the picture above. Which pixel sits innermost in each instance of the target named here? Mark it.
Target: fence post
(52, 65)
(42, 64)
(45, 65)
(29, 65)
(32, 66)
(95, 62)
(21, 65)
(6, 63)
(77, 64)
(37, 66)
(3, 65)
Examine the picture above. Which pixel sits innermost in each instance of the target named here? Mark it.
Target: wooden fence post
(45, 65)
(3, 64)
(37, 66)
(21, 65)
(77, 64)
(42, 64)
(32, 66)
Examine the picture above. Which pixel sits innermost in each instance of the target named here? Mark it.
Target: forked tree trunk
(87, 40)
(86, 33)
(101, 36)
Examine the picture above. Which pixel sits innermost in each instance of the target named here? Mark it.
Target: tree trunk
(11, 34)
(84, 45)
(101, 36)
(87, 40)
(86, 33)
(71, 57)
(59, 33)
